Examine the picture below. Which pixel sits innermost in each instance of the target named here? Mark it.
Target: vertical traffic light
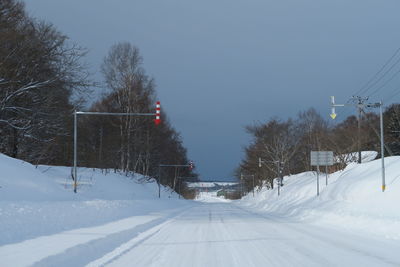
(157, 121)
(191, 165)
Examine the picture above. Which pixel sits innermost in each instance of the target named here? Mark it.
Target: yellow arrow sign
(333, 116)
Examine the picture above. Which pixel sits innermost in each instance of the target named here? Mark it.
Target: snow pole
(317, 180)
(382, 147)
(75, 152)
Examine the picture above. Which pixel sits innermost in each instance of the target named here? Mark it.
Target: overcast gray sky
(220, 65)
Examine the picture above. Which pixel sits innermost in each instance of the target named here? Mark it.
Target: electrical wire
(383, 85)
(365, 88)
(396, 93)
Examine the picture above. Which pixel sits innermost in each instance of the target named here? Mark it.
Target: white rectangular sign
(321, 158)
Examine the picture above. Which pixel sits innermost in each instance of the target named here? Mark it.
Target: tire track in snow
(134, 242)
(83, 254)
(81, 243)
(339, 242)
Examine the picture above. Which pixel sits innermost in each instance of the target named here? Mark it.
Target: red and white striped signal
(191, 165)
(157, 121)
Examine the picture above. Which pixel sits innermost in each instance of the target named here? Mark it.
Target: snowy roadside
(39, 201)
(353, 199)
(26, 220)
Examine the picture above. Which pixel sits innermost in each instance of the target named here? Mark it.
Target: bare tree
(132, 92)
(39, 72)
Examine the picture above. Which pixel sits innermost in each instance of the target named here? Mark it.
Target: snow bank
(352, 199)
(37, 201)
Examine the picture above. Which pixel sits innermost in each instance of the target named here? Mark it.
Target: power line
(381, 77)
(383, 85)
(368, 85)
(397, 92)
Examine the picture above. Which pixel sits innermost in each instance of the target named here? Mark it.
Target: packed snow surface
(115, 220)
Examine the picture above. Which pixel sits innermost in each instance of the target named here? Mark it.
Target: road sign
(333, 105)
(333, 113)
(321, 158)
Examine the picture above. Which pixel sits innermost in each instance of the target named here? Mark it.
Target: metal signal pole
(157, 121)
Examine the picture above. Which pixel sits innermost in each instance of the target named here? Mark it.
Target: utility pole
(241, 185)
(190, 166)
(380, 105)
(182, 180)
(253, 185)
(360, 105)
(279, 166)
(159, 181)
(382, 147)
(246, 175)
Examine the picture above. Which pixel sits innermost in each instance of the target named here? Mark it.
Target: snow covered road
(206, 234)
(222, 234)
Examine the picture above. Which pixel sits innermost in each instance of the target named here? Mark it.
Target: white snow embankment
(39, 201)
(353, 198)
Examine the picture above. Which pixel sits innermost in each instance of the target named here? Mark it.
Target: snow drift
(352, 199)
(36, 201)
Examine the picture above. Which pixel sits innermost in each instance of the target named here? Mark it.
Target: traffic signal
(157, 120)
(191, 165)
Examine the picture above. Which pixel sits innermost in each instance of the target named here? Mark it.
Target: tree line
(284, 146)
(43, 80)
